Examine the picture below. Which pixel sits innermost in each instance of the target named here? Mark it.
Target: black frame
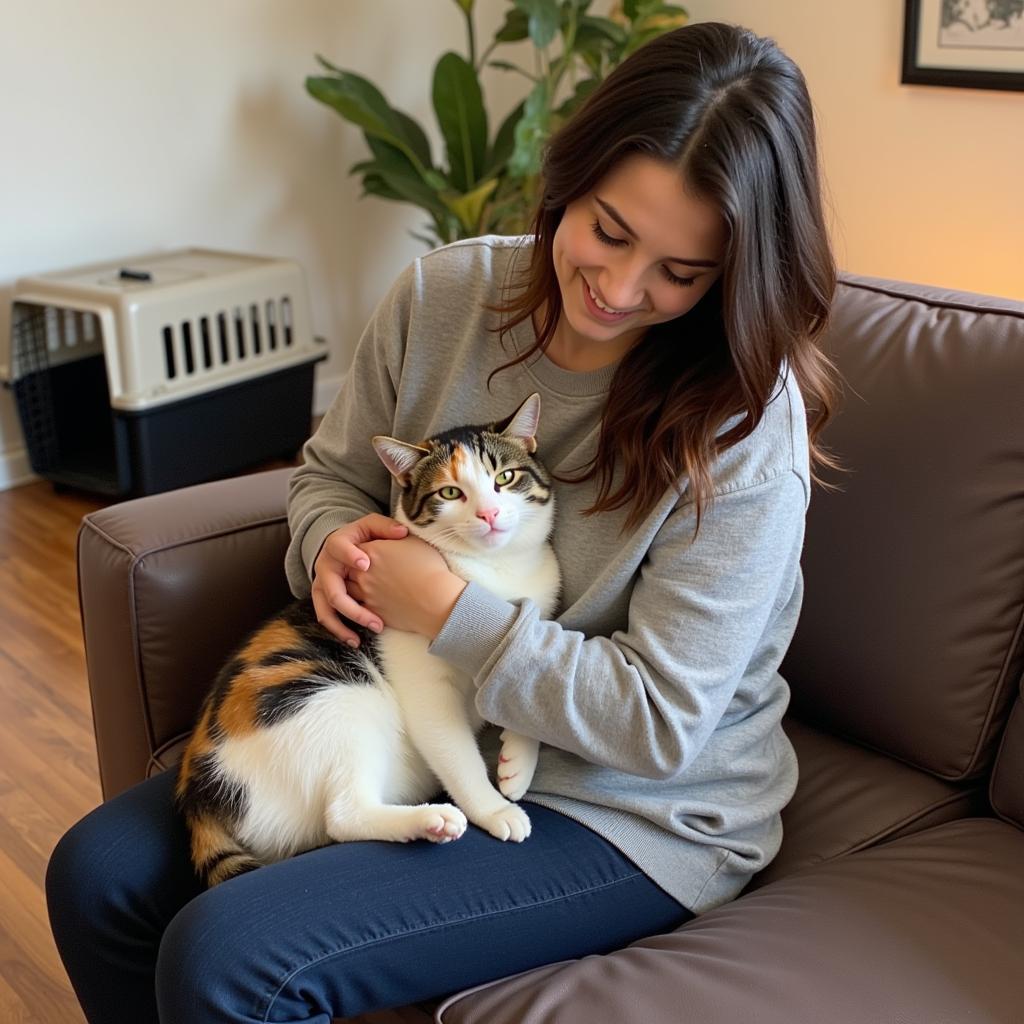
(965, 78)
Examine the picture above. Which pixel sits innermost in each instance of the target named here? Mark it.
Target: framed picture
(974, 44)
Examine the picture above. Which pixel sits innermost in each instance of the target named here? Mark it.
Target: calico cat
(303, 740)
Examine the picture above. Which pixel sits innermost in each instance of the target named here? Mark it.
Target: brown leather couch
(898, 895)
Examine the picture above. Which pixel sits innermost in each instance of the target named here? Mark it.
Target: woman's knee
(214, 962)
(127, 859)
(81, 875)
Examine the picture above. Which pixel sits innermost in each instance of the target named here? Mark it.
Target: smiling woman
(665, 309)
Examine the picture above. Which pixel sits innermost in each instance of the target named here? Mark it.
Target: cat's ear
(522, 424)
(399, 456)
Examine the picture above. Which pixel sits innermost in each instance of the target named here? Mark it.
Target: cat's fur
(303, 740)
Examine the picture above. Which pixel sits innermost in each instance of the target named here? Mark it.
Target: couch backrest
(910, 638)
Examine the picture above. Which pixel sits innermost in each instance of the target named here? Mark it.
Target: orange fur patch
(274, 637)
(456, 462)
(208, 840)
(237, 715)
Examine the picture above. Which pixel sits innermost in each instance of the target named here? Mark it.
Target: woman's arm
(341, 478)
(646, 699)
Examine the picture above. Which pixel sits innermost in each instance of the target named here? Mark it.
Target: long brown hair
(732, 113)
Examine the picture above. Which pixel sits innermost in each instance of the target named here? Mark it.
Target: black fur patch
(209, 792)
(336, 664)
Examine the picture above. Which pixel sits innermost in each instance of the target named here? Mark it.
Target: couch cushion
(924, 930)
(1007, 789)
(909, 639)
(849, 798)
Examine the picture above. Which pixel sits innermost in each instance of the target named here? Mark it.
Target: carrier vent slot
(286, 319)
(204, 332)
(89, 325)
(186, 339)
(69, 328)
(169, 366)
(239, 332)
(271, 326)
(222, 336)
(254, 318)
(52, 329)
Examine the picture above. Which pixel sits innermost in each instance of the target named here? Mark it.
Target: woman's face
(636, 251)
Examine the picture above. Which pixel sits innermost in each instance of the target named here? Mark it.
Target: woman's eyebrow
(617, 217)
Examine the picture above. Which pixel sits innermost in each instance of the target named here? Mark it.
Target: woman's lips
(596, 311)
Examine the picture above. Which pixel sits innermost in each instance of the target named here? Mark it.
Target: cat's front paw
(438, 823)
(510, 822)
(516, 765)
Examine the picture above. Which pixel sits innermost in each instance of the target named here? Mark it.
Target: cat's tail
(216, 853)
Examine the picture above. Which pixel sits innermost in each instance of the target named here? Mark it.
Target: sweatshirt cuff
(478, 623)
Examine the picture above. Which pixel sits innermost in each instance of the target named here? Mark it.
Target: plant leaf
(466, 5)
(411, 188)
(575, 101)
(531, 132)
(459, 105)
(469, 207)
(516, 27)
(590, 26)
(360, 102)
(504, 143)
(544, 20)
(374, 185)
(504, 65)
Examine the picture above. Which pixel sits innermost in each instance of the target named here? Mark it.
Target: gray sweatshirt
(655, 692)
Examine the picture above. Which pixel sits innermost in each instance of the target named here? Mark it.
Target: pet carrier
(166, 370)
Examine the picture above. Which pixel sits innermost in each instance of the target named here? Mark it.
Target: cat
(303, 741)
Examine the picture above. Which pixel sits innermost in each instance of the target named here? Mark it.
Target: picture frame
(970, 44)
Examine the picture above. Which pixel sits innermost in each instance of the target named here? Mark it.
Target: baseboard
(324, 392)
(15, 469)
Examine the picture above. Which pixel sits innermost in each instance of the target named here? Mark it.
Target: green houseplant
(487, 184)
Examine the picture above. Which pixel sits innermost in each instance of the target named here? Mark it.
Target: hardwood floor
(48, 771)
(48, 775)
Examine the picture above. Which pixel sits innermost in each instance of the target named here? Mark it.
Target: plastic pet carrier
(161, 371)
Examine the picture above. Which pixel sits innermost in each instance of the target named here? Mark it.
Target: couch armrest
(168, 584)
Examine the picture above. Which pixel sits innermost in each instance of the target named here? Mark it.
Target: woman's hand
(408, 585)
(340, 556)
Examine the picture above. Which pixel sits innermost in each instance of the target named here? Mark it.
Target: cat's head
(474, 490)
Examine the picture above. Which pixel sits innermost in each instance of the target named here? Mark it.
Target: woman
(666, 309)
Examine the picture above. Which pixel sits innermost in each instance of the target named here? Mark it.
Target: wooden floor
(48, 776)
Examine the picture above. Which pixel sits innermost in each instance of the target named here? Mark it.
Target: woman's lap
(334, 932)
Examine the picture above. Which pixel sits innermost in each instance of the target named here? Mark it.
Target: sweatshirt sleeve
(341, 479)
(646, 699)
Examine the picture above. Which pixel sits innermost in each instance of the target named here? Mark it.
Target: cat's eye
(505, 477)
(450, 493)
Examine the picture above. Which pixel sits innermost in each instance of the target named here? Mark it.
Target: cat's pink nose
(488, 514)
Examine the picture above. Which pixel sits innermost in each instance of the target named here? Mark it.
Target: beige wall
(129, 125)
(926, 183)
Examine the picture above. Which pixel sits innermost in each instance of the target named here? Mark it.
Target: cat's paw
(516, 765)
(510, 822)
(438, 823)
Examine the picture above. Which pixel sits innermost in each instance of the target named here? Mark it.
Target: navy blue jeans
(334, 932)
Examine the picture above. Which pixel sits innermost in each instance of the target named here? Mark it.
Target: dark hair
(732, 113)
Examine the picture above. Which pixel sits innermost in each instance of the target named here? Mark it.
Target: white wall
(127, 126)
